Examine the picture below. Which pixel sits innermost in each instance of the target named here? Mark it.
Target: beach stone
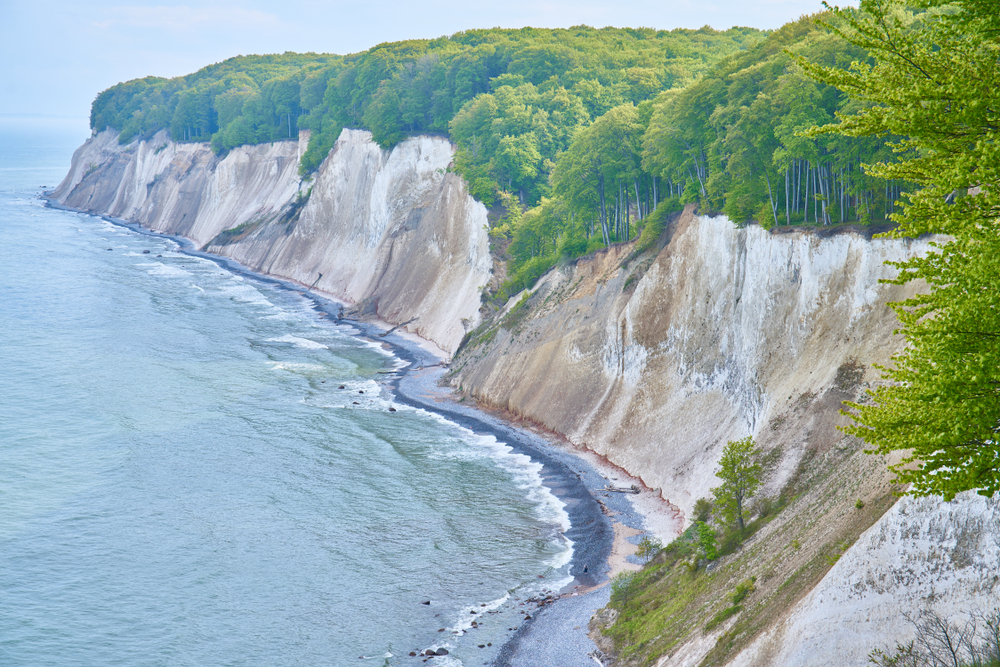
(442, 651)
(145, 252)
(392, 409)
(341, 387)
(428, 602)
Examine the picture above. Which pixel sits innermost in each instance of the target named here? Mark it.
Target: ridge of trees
(578, 136)
(736, 140)
(559, 79)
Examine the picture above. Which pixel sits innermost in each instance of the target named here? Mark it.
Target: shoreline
(604, 526)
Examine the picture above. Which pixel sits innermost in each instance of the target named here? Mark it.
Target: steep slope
(655, 361)
(392, 232)
(652, 360)
(923, 554)
(658, 361)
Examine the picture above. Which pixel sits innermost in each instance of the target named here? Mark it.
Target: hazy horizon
(60, 59)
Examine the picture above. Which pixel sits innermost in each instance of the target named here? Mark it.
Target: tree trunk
(774, 206)
(604, 209)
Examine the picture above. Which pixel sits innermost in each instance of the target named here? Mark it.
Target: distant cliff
(653, 360)
(391, 232)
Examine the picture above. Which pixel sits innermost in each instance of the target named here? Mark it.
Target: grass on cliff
(780, 558)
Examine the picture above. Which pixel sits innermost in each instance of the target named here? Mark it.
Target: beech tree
(740, 473)
(935, 80)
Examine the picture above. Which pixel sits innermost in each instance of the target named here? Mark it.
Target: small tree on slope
(740, 474)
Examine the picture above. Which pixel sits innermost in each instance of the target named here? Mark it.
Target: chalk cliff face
(923, 554)
(392, 232)
(658, 362)
(653, 361)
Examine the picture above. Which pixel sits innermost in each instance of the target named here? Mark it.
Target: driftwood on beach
(614, 489)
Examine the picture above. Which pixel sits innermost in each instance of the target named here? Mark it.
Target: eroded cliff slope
(656, 360)
(653, 360)
(390, 231)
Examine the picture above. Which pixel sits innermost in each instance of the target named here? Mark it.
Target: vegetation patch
(518, 314)
(237, 233)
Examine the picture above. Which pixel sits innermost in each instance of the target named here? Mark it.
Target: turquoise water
(183, 482)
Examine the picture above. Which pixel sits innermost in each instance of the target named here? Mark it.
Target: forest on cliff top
(576, 137)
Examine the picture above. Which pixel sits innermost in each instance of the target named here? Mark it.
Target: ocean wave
(163, 270)
(296, 367)
(303, 343)
(527, 477)
(466, 617)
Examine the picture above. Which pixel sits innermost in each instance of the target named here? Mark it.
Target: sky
(58, 55)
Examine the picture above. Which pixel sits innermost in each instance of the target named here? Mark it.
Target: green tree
(936, 81)
(706, 541)
(740, 472)
(648, 548)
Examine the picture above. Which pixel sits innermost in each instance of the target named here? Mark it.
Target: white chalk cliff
(652, 361)
(390, 231)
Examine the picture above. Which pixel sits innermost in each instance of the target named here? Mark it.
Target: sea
(197, 467)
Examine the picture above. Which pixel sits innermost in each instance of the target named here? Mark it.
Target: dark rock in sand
(392, 409)
(341, 387)
(145, 252)
(442, 651)
(428, 602)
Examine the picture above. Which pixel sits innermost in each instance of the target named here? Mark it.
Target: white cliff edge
(390, 231)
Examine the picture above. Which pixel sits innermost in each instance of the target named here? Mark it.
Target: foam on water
(162, 270)
(303, 343)
(525, 472)
(297, 367)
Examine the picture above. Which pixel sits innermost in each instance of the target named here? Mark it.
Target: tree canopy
(541, 83)
(935, 80)
(577, 137)
(740, 472)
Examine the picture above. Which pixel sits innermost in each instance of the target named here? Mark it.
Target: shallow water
(184, 483)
